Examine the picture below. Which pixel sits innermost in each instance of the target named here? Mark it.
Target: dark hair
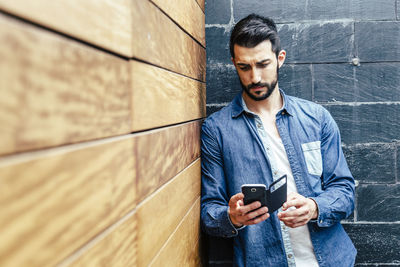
(252, 30)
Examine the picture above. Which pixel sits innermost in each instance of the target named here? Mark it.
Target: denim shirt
(233, 154)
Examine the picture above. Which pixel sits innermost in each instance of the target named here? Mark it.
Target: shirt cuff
(322, 220)
(236, 228)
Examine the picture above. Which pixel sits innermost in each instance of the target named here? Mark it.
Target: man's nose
(255, 75)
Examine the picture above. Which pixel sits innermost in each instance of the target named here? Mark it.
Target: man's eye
(245, 68)
(262, 65)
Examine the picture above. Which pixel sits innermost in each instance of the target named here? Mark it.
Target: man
(260, 136)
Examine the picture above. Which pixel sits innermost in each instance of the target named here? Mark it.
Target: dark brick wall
(324, 40)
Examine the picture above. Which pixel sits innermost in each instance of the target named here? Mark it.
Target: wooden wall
(101, 104)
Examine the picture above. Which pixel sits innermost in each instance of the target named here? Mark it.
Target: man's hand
(306, 209)
(241, 214)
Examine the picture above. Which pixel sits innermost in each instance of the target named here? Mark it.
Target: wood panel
(105, 23)
(159, 215)
(53, 201)
(161, 97)
(56, 91)
(188, 14)
(158, 40)
(201, 4)
(182, 249)
(116, 249)
(163, 153)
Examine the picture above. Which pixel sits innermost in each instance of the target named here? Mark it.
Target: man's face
(258, 68)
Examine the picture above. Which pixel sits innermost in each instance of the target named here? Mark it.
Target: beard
(261, 96)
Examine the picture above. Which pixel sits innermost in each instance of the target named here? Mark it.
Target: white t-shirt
(300, 236)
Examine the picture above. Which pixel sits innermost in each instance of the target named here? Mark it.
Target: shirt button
(275, 173)
(321, 221)
(258, 125)
(290, 256)
(233, 232)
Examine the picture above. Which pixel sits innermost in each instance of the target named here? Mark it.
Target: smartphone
(273, 198)
(254, 192)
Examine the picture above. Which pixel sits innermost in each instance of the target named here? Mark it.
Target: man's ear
(281, 57)
(233, 61)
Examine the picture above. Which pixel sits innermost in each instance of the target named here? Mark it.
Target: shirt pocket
(313, 158)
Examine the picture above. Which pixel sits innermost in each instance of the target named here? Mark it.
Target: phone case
(276, 195)
(273, 198)
(254, 192)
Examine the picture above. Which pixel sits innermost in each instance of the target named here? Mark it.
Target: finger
(293, 220)
(297, 202)
(258, 219)
(292, 195)
(251, 216)
(299, 213)
(234, 200)
(243, 218)
(296, 224)
(252, 206)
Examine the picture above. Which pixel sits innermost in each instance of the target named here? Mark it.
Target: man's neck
(270, 105)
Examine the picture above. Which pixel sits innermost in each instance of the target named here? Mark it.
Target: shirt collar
(239, 106)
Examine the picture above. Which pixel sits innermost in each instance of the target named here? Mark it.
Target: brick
(378, 202)
(378, 82)
(289, 11)
(217, 40)
(222, 83)
(278, 10)
(378, 41)
(365, 123)
(369, 163)
(352, 9)
(317, 43)
(334, 82)
(218, 11)
(296, 80)
(211, 108)
(376, 243)
(366, 83)
(379, 246)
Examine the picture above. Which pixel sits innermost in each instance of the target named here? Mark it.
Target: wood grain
(182, 249)
(161, 213)
(163, 153)
(158, 40)
(56, 91)
(161, 97)
(189, 16)
(52, 202)
(116, 249)
(105, 23)
(201, 4)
